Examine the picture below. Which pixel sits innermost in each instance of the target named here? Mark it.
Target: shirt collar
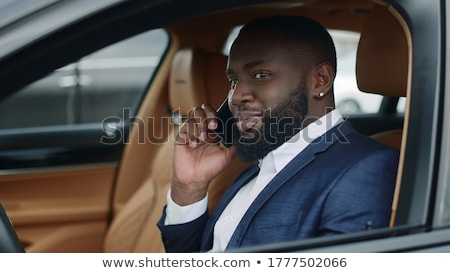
(280, 157)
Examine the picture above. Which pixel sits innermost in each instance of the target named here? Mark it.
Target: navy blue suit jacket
(342, 182)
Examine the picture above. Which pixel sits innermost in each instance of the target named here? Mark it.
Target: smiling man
(316, 175)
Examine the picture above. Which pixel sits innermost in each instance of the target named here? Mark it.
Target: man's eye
(262, 75)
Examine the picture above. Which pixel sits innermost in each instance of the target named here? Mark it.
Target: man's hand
(198, 156)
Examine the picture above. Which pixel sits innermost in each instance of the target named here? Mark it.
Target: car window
(349, 99)
(401, 105)
(106, 83)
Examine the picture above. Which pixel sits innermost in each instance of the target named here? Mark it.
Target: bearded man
(316, 176)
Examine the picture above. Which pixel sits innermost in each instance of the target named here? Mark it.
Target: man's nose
(241, 94)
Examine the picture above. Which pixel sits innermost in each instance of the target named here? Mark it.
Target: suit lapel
(321, 144)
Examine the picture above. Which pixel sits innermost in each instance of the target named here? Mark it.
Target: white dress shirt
(270, 165)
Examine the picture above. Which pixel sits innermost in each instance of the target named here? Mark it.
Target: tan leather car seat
(196, 77)
(382, 63)
(383, 66)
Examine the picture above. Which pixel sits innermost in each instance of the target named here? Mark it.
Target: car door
(61, 141)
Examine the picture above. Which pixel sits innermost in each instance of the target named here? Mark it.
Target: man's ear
(324, 77)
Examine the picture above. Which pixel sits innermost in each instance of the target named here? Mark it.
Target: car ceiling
(194, 22)
(346, 15)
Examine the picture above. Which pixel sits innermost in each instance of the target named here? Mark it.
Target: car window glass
(349, 100)
(106, 83)
(401, 105)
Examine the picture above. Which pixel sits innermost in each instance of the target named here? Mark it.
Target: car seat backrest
(196, 77)
(383, 61)
(134, 228)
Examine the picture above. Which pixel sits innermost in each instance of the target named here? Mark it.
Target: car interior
(114, 207)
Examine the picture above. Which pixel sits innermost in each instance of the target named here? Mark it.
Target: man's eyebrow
(254, 63)
(248, 65)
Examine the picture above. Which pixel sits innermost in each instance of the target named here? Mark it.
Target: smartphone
(226, 124)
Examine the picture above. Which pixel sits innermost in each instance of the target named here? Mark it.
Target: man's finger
(211, 116)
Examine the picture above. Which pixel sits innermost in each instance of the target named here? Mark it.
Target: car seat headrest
(382, 61)
(197, 77)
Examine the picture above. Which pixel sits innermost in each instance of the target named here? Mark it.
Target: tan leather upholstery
(392, 138)
(197, 77)
(382, 62)
(134, 227)
(382, 57)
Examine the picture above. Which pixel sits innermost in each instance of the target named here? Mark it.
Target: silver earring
(321, 94)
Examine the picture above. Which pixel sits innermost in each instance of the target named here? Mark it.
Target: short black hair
(302, 30)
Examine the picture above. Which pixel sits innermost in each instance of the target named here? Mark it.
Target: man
(316, 175)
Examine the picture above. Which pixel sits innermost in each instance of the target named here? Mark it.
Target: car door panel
(70, 205)
(56, 184)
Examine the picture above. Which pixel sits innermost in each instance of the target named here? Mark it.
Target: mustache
(245, 111)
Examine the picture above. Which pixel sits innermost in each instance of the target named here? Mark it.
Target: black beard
(278, 126)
